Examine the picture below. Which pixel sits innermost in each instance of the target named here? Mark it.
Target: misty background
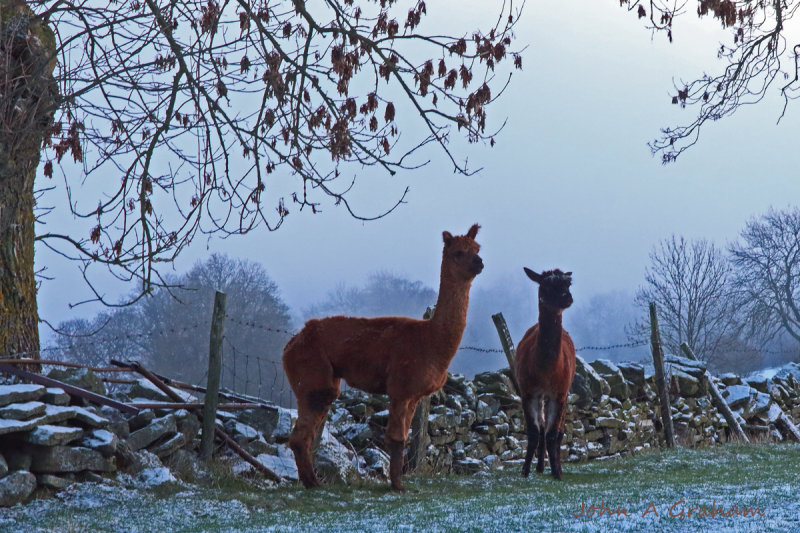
(570, 184)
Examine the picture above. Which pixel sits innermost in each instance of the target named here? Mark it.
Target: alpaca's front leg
(400, 413)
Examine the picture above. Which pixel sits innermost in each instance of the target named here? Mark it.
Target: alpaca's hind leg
(313, 399)
(540, 452)
(544, 403)
(532, 429)
(554, 436)
(400, 413)
(311, 411)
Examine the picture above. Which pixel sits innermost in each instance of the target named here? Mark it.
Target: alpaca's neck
(549, 332)
(450, 317)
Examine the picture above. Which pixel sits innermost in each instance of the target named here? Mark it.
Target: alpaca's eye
(459, 254)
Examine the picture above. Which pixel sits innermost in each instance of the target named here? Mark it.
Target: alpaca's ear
(568, 274)
(447, 237)
(473, 231)
(533, 275)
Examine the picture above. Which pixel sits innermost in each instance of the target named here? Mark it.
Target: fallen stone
(729, 379)
(153, 477)
(282, 464)
(54, 459)
(55, 414)
(118, 422)
(141, 419)
(448, 419)
(157, 429)
(492, 383)
(144, 389)
(469, 465)
(47, 435)
(16, 487)
(687, 385)
(16, 426)
(55, 396)
(100, 440)
(773, 413)
(20, 393)
(633, 372)
(759, 383)
(22, 411)
(614, 377)
(284, 424)
(464, 387)
(258, 446)
(358, 435)
(609, 422)
(377, 462)
(334, 461)
(759, 406)
(690, 366)
(54, 482)
(241, 432)
(168, 447)
(738, 395)
(596, 385)
(188, 424)
(89, 418)
(18, 460)
(487, 407)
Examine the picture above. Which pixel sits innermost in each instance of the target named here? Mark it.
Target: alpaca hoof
(398, 486)
(526, 470)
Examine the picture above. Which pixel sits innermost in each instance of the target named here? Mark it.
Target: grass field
(641, 491)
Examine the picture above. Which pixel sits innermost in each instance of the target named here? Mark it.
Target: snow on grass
(763, 476)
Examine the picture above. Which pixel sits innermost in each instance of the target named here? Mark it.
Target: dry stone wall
(49, 440)
(612, 411)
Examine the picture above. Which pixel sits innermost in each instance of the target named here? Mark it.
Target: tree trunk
(28, 94)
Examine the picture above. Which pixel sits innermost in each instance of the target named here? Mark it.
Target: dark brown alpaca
(544, 367)
(399, 356)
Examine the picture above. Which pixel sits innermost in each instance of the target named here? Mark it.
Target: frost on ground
(636, 494)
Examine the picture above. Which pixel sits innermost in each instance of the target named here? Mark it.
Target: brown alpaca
(544, 367)
(399, 356)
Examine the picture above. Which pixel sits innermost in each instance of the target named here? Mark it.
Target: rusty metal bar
(244, 454)
(58, 363)
(69, 389)
(193, 405)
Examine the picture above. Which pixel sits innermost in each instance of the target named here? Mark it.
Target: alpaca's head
(461, 254)
(553, 287)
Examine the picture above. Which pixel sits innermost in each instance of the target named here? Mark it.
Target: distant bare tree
(690, 284)
(384, 293)
(761, 54)
(767, 272)
(169, 330)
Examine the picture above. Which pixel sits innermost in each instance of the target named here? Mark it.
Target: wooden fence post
(658, 363)
(420, 439)
(508, 346)
(717, 399)
(214, 371)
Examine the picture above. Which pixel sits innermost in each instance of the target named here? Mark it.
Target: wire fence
(245, 371)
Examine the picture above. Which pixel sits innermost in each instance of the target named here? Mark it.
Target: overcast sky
(570, 183)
